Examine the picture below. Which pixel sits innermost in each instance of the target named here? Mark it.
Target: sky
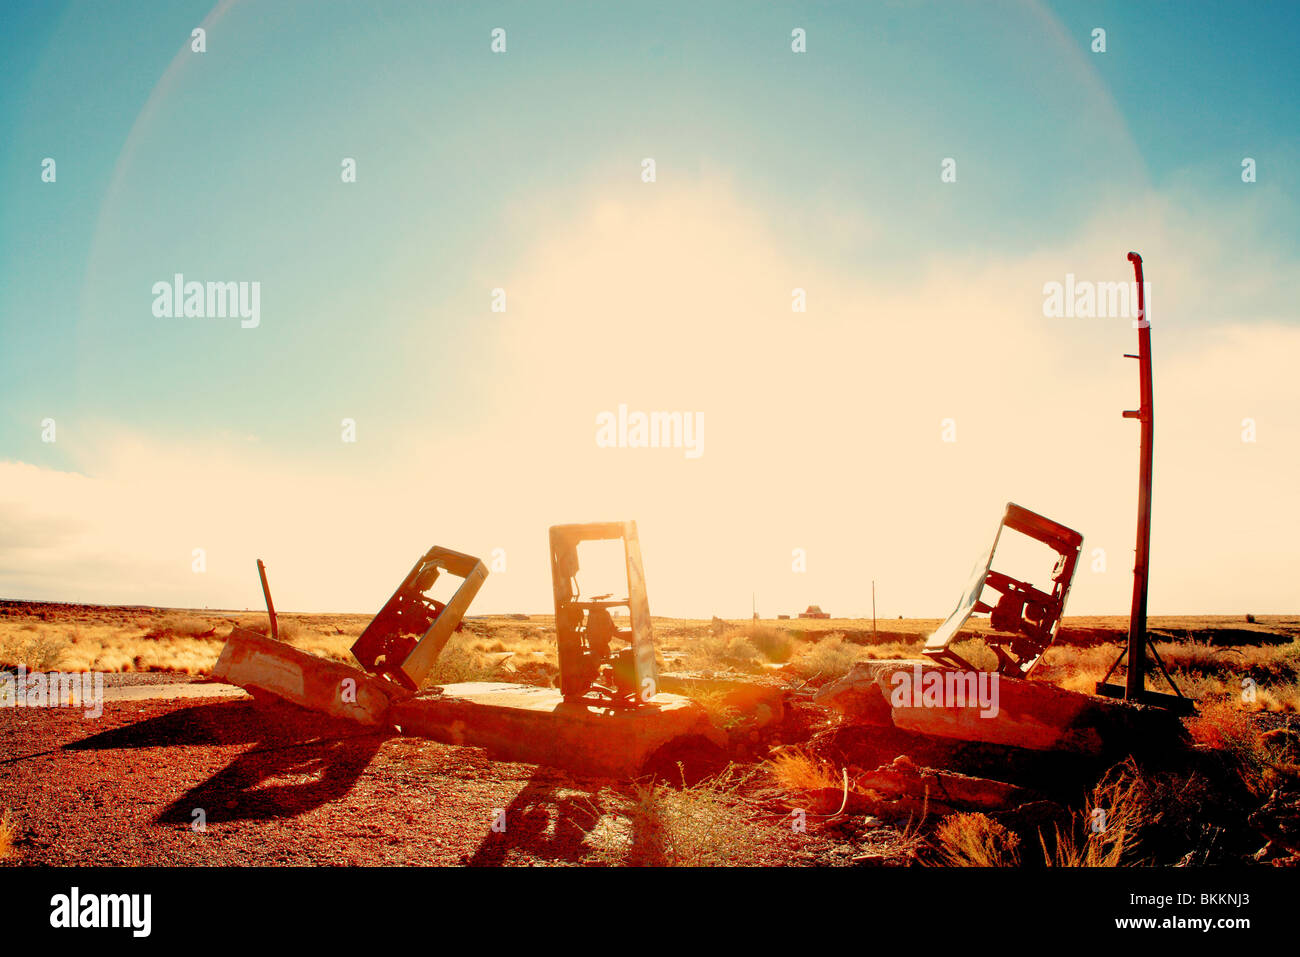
(875, 436)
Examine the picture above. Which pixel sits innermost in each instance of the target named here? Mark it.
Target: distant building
(814, 611)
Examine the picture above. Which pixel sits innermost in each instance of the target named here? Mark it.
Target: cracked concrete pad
(537, 726)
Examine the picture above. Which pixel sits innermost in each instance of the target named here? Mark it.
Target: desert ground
(277, 784)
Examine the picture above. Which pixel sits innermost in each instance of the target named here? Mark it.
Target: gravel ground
(280, 785)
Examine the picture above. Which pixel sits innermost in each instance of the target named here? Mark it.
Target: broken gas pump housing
(590, 664)
(1025, 618)
(403, 641)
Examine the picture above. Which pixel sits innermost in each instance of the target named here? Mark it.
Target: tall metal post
(270, 607)
(1136, 648)
(1145, 414)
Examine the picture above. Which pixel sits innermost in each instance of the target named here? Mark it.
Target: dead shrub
(976, 840)
(774, 644)
(1226, 726)
(826, 660)
(41, 651)
(795, 770)
(181, 626)
(980, 655)
(1108, 834)
(723, 715)
(714, 652)
(684, 827)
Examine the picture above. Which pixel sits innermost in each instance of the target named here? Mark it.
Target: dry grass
(530, 647)
(1202, 671)
(113, 642)
(743, 648)
(1108, 835)
(461, 661)
(979, 654)
(891, 650)
(826, 660)
(173, 625)
(774, 644)
(714, 702)
(84, 638)
(794, 770)
(1106, 832)
(1226, 725)
(728, 651)
(976, 840)
(36, 651)
(7, 830)
(706, 825)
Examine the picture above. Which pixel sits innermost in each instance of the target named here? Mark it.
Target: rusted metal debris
(404, 640)
(1025, 618)
(585, 630)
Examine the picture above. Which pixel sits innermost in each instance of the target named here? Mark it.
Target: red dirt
(280, 785)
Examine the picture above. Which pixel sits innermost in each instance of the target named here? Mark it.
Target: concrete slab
(1020, 713)
(172, 689)
(514, 722)
(537, 726)
(262, 664)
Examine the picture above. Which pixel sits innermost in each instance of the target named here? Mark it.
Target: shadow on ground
(549, 820)
(299, 760)
(241, 791)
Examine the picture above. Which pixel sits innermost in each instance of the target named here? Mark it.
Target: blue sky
(473, 168)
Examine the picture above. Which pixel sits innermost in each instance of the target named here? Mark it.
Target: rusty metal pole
(266, 590)
(1145, 414)
(1134, 688)
(873, 607)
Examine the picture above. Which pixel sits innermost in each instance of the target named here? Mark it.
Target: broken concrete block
(903, 789)
(979, 706)
(1064, 773)
(903, 783)
(537, 726)
(257, 663)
